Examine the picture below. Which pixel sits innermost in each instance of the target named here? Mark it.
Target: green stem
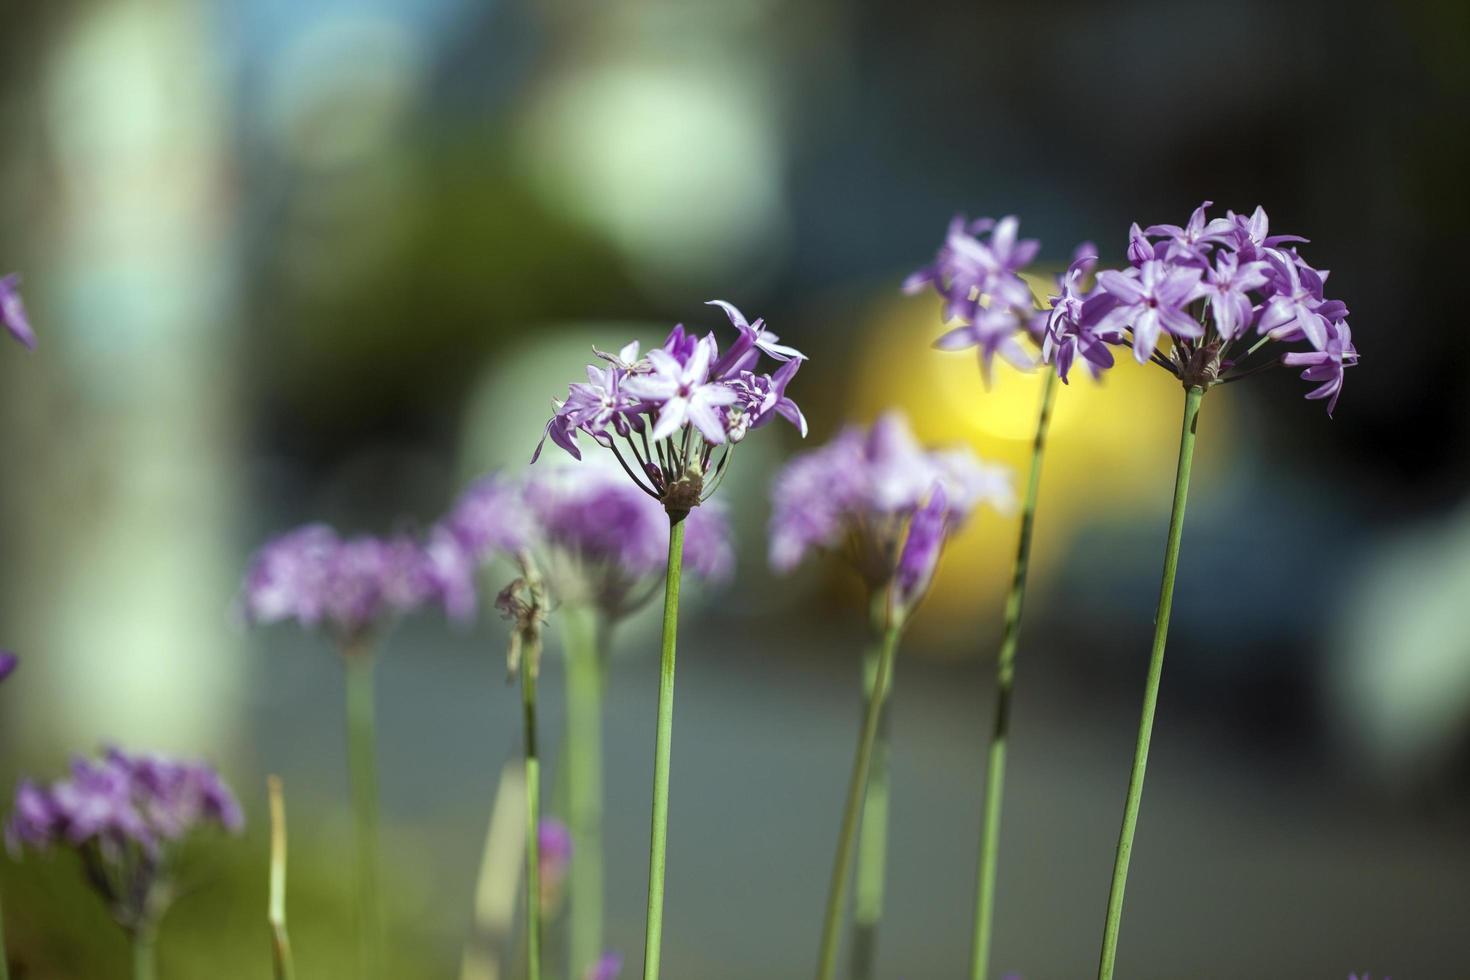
(533, 816)
(1005, 672)
(276, 904)
(1192, 399)
(584, 783)
(4, 962)
(659, 833)
(856, 790)
(872, 854)
(363, 771)
(143, 965)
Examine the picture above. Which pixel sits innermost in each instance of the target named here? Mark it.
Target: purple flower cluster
(597, 539)
(350, 585)
(1207, 285)
(884, 501)
(673, 407)
(979, 279)
(121, 813)
(13, 312)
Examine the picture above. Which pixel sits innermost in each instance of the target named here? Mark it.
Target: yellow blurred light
(1111, 451)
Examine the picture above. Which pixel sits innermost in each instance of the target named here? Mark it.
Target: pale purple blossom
(13, 311)
(350, 586)
(123, 813)
(8, 663)
(980, 283)
(1205, 286)
(554, 858)
(919, 558)
(859, 494)
(663, 415)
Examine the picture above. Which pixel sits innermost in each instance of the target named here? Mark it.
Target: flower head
(8, 663)
(980, 283)
(13, 311)
(665, 414)
(862, 495)
(1195, 291)
(123, 813)
(351, 585)
(554, 853)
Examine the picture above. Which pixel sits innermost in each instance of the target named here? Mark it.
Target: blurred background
(294, 260)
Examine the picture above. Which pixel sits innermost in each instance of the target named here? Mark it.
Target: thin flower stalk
(1005, 673)
(1192, 398)
(887, 506)
(663, 749)
(363, 775)
(8, 663)
(281, 961)
(872, 855)
(583, 628)
(672, 418)
(856, 789)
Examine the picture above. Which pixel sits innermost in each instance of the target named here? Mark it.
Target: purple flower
(1184, 243)
(608, 967)
(754, 340)
(1244, 279)
(13, 311)
(8, 663)
(1227, 285)
(490, 518)
(554, 853)
(981, 288)
(1150, 299)
(1296, 308)
(683, 392)
(663, 415)
(122, 813)
(600, 540)
(1071, 329)
(352, 586)
(921, 549)
(859, 494)
(1326, 367)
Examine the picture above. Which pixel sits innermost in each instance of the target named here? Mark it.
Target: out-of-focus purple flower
(8, 663)
(982, 289)
(858, 495)
(608, 967)
(351, 586)
(600, 540)
(490, 517)
(121, 813)
(13, 311)
(554, 853)
(921, 549)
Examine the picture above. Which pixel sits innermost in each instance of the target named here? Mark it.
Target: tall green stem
(872, 854)
(4, 962)
(1192, 399)
(856, 789)
(533, 817)
(659, 834)
(363, 770)
(1005, 673)
(276, 903)
(584, 782)
(142, 940)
